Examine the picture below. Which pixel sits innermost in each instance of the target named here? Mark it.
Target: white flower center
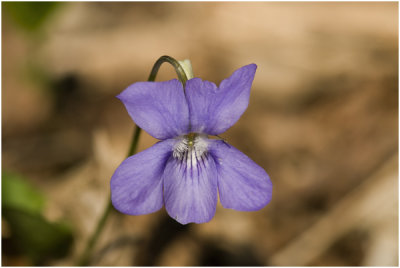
(191, 148)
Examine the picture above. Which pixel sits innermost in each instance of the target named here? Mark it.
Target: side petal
(213, 110)
(190, 189)
(160, 108)
(242, 184)
(136, 186)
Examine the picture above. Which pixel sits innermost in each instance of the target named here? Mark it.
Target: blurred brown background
(322, 121)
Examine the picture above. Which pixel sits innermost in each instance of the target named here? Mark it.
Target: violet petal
(213, 110)
(160, 108)
(190, 189)
(136, 186)
(242, 184)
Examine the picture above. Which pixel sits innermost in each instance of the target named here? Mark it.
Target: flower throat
(191, 147)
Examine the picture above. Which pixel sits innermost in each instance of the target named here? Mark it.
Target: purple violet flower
(186, 170)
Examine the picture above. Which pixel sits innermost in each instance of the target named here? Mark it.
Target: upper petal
(213, 110)
(160, 108)
(136, 186)
(242, 184)
(190, 188)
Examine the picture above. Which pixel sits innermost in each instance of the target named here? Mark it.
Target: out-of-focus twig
(362, 207)
(85, 258)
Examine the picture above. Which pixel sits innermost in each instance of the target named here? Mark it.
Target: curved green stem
(178, 68)
(85, 258)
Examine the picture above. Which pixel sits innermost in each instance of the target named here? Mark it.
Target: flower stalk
(183, 74)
